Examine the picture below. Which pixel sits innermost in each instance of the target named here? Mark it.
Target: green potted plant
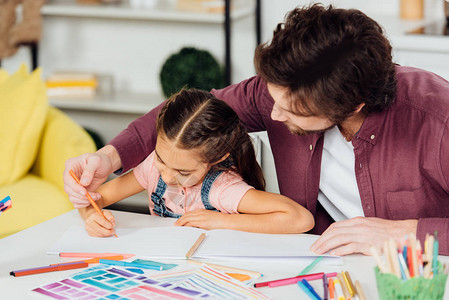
(191, 68)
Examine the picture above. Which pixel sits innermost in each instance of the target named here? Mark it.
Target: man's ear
(359, 108)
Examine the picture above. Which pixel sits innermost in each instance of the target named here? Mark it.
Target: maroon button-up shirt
(401, 154)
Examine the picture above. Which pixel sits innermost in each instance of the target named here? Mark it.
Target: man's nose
(277, 115)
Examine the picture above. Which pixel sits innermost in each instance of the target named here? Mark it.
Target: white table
(28, 248)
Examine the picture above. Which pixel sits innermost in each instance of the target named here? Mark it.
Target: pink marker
(294, 280)
(92, 255)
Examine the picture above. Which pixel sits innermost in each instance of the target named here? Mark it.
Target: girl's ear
(223, 158)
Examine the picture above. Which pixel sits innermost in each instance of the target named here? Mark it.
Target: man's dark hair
(331, 60)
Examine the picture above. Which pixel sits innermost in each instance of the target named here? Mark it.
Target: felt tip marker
(129, 264)
(45, 269)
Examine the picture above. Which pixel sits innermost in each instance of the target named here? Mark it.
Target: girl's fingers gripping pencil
(92, 202)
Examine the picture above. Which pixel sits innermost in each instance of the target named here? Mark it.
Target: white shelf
(124, 103)
(124, 11)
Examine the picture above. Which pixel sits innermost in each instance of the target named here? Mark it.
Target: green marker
(307, 269)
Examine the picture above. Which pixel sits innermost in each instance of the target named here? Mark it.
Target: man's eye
(184, 174)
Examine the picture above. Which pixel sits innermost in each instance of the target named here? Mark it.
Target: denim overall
(159, 203)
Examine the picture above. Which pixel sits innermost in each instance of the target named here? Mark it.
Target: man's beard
(301, 132)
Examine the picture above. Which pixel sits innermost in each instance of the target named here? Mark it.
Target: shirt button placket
(363, 177)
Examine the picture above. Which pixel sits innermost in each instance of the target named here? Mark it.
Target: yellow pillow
(23, 110)
(62, 139)
(3, 75)
(34, 200)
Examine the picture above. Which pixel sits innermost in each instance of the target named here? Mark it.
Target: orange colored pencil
(92, 202)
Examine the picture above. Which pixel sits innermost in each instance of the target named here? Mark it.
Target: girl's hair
(195, 119)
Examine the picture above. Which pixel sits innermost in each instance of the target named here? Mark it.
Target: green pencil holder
(390, 287)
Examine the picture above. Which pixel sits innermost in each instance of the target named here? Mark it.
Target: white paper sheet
(168, 242)
(174, 242)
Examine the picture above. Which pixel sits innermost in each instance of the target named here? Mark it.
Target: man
(360, 142)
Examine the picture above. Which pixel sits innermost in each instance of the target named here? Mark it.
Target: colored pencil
(349, 283)
(380, 263)
(387, 257)
(360, 291)
(420, 259)
(403, 266)
(414, 254)
(196, 245)
(429, 256)
(225, 268)
(344, 287)
(393, 253)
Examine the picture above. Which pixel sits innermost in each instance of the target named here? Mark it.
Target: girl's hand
(202, 218)
(97, 226)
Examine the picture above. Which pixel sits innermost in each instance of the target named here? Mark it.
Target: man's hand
(358, 234)
(92, 169)
(202, 218)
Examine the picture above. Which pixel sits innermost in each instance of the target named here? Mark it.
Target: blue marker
(154, 263)
(128, 264)
(135, 270)
(311, 289)
(306, 290)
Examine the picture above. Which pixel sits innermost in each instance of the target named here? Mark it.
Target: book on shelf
(72, 84)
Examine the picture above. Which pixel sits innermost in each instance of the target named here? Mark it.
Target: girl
(204, 172)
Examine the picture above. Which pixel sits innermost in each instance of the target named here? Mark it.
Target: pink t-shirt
(225, 194)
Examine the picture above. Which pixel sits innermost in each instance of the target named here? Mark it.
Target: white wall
(133, 51)
(274, 11)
